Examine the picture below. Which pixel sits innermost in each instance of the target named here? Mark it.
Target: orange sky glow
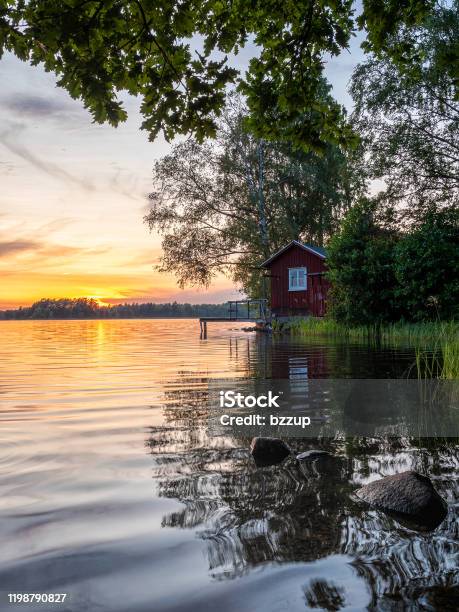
(72, 200)
(73, 196)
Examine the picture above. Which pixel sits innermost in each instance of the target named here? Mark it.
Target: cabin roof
(316, 250)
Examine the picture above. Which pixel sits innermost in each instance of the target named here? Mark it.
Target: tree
(360, 261)
(226, 205)
(427, 268)
(409, 119)
(87, 308)
(174, 54)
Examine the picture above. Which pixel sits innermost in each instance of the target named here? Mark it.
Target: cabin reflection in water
(260, 355)
(264, 357)
(249, 517)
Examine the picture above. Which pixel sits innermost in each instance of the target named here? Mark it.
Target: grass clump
(436, 343)
(427, 333)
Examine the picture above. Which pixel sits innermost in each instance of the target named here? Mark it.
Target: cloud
(50, 227)
(164, 295)
(44, 251)
(126, 184)
(13, 246)
(145, 257)
(34, 106)
(64, 113)
(9, 140)
(7, 167)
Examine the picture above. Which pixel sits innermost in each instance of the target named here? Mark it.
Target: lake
(112, 490)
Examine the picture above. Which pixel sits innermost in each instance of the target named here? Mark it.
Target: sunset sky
(73, 196)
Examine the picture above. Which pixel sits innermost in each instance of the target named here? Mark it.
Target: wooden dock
(240, 311)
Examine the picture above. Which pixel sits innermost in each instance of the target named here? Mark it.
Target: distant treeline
(86, 308)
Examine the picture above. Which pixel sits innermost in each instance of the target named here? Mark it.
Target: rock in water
(268, 451)
(312, 455)
(409, 495)
(317, 463)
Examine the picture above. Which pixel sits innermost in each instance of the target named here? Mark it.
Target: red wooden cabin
(298, 284)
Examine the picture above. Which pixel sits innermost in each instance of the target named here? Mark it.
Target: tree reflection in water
(249, 516)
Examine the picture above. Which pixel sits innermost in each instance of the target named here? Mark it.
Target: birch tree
(224, 206)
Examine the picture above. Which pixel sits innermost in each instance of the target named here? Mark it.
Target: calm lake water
(112, 491)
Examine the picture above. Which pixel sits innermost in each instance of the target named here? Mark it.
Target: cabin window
(297, 279)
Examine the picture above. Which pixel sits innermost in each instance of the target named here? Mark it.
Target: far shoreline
(194, 318)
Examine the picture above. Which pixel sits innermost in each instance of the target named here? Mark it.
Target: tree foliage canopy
(87, 308)
(227, 204)
(427, 268)
(360, 265)
(409, 120)
(379, 275)
(178, 55)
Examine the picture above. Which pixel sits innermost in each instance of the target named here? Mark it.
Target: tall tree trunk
(262, 222)
(258, 197)
(320, 233)
(257, 193)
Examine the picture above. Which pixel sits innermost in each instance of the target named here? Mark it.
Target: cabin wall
(313, 300)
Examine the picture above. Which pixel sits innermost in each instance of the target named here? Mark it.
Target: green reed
(436, 343)
(442, 363)
(451, 359)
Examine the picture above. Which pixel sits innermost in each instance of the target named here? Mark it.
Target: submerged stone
(408, 495)
(269, 451)
(311, 455)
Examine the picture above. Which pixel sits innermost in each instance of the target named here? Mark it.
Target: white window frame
(293, 279)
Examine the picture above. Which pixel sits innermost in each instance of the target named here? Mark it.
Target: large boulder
(408, 495)
(269, 451)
